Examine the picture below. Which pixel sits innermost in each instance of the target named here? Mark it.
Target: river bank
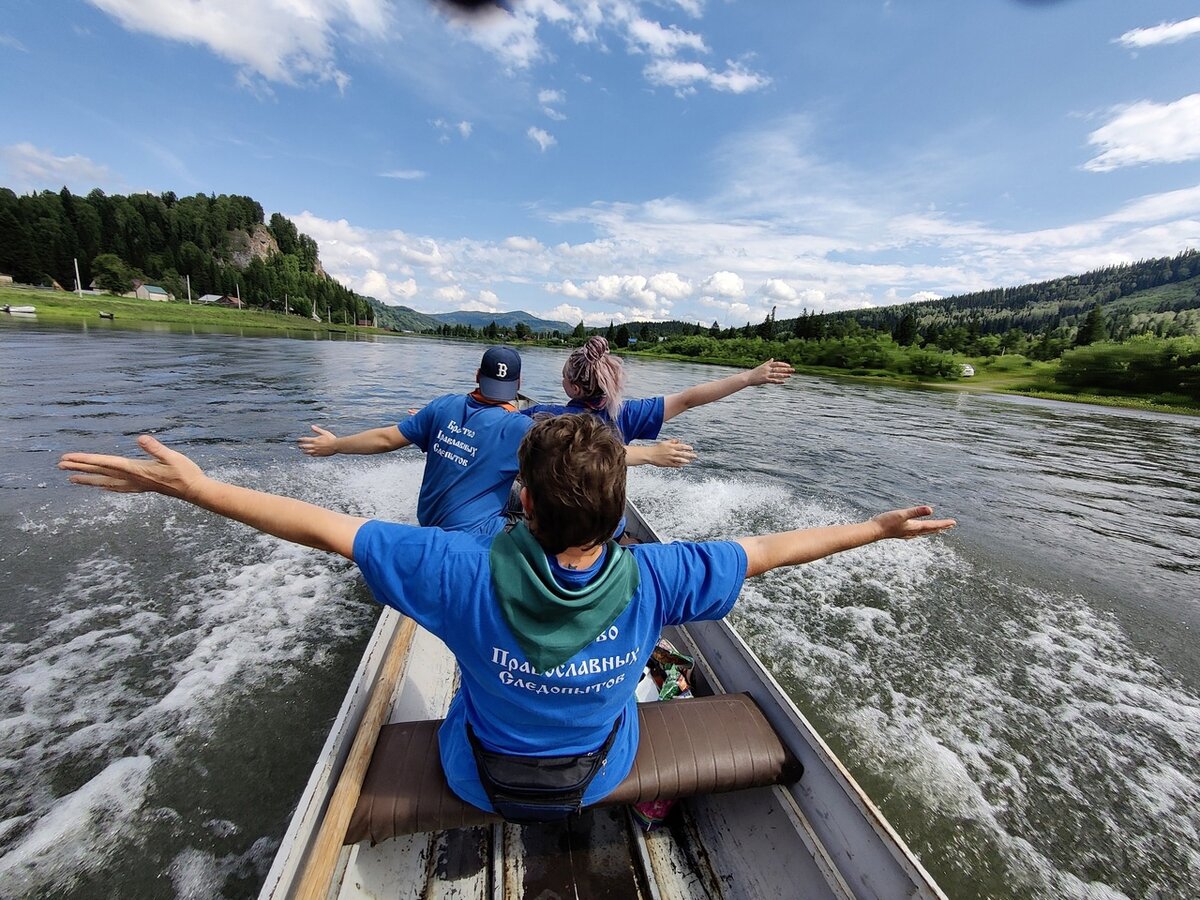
(1011, 375)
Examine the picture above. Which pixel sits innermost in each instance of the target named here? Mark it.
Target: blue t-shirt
(470, 462)
(443, 581)
(637, 420)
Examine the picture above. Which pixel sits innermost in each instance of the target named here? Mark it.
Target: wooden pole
(78, 283)
(322, 861)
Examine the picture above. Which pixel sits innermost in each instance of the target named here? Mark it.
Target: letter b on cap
(501, 370)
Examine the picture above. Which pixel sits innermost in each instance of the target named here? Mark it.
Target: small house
(211, 298)
(151, 292)
(231, 302)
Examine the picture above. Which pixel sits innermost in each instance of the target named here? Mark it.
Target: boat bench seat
(701, 745)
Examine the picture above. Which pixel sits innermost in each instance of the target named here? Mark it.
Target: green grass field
(60, 306)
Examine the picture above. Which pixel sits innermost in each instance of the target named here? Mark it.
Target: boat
(18, 309)
(818, 836)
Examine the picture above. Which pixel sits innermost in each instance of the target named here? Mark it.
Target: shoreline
(65, 307)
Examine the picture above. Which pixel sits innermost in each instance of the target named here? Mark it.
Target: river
(1021, 696)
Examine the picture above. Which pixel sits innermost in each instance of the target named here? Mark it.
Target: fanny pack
(532, 789)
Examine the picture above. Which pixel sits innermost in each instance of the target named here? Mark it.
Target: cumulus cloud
(543, 139)
(778, 289)
(1147, 132)
(279, 40)
(723, 284)
(387, 290)
(28, 167)
(1166, 33)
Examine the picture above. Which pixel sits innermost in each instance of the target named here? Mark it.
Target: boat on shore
(818, 836)
(23, 310)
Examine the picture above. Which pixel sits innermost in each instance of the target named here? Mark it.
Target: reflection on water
(1021, 697)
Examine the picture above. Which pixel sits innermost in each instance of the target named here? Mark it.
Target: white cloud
(387, 290)
(32, 168)
(723, 284)
(548, 96)
(523, 244)
(684, 76)
(7, 40)
(280, 40)
(451, 294)
(1166, 33)
(568, 288)
(565, 312)
(653, 38)
(543, 139)
(669, 286)
(446, 129)
(1147, 132)
(778, 289)
(405, 174)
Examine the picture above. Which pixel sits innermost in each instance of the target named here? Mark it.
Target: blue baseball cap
(500, 373)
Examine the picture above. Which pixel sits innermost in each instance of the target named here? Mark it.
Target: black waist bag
(531, 789)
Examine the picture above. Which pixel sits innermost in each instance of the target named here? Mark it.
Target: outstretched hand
(771, 372)
(910, 523)
(672, 454)
(169, 472)
(323, 444)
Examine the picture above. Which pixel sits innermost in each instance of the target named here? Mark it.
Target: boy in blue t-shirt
(470, 443)
(552, 622)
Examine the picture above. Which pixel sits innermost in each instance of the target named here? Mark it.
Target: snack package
(666, 677)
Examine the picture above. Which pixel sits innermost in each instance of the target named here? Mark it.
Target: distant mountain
(402, 318)
(1165, 290)
(503, 320)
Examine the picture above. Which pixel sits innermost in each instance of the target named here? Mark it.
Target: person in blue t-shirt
(552, 622)
(470, 443)
(594, 380)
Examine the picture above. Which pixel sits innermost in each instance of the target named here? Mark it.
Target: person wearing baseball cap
(470, 443)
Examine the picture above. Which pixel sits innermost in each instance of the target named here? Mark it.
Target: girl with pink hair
(594, 381)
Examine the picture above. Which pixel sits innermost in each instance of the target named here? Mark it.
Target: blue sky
(636, 159)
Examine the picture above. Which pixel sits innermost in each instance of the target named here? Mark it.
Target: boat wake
(1015, 737)
(163, 686)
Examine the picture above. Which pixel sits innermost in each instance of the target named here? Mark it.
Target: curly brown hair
(574, 469)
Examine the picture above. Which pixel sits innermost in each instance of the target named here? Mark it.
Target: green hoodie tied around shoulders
(552, 622)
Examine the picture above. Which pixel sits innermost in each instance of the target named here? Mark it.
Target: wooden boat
(819, 837)
(18, 309)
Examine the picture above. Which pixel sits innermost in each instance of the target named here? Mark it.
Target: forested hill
(1143, 296)
(220, 242)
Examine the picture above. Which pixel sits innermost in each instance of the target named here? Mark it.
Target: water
(1021, 697)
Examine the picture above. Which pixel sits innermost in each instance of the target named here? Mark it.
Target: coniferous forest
(218, 242)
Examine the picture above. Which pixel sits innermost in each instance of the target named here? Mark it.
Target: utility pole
(238, 286)
(78, 283)
(188, 278)
(285, 305)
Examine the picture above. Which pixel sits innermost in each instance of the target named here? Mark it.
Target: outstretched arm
(173, 474)
(770, 372)
(376, 440)
(668, 454)
(790, 548)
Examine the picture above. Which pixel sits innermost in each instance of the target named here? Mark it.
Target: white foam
(81, 830)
